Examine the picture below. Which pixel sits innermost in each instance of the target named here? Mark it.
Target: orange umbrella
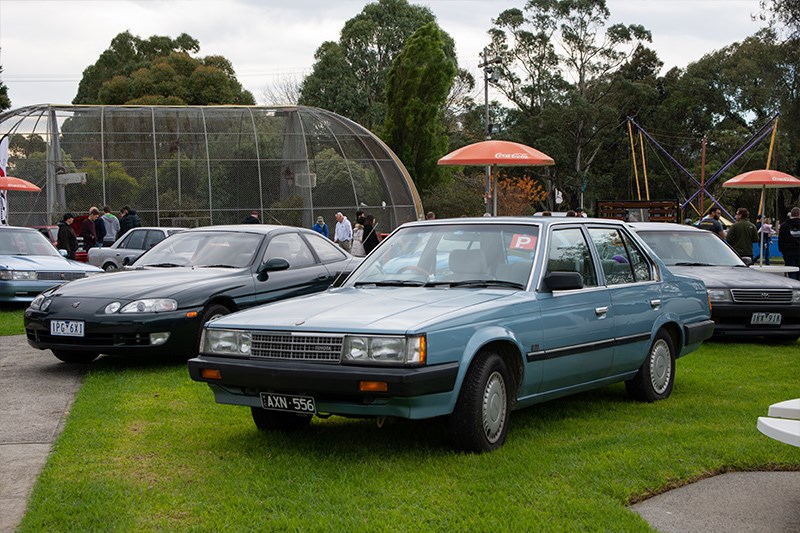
(10, 183)
(505, 153)
(761, 179)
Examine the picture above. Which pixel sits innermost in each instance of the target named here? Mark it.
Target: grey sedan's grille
(296, 347)
(60, 276)
(762, 296)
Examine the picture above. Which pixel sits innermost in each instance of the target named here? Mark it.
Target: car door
(304, 275)
(634, 291)
(577, 325)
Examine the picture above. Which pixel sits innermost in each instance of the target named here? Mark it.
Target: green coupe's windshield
(478, 255)
(203, 249)
(690, 248)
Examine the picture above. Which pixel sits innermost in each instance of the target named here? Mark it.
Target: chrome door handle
(600, 311)
(655, 304)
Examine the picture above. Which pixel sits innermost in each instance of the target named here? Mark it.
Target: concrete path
(36, 393)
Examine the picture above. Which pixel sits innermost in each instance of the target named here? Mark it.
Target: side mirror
(62, 252)
(747, 260)
(563, 281)
(272, 265)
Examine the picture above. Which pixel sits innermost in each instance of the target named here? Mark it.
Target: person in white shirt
(343, 236)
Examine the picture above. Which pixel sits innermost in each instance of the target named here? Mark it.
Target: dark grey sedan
(159, 304)
(745, 303)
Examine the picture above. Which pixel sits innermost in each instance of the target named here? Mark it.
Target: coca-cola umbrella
(10, 183)
(505, 153)
(762, 179)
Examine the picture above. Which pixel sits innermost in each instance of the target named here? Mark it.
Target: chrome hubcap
(660, 366)
(494, 407)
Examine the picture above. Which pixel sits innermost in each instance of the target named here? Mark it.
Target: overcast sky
(46, 44)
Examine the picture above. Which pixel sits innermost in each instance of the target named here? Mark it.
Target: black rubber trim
(576, 349)
(698, 332)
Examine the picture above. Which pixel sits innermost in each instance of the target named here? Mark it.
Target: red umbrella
(9, 183)
(761, 179)
(505, 153)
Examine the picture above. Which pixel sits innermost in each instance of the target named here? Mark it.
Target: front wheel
(110, 267)
(479, 422)
(277, 421)
(656, 376)
(76, 358)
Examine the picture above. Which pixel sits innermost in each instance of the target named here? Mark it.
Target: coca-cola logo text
(516, 155)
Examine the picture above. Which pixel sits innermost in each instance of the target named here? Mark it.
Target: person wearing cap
(321, 227)
(252, 218)
(67, 240)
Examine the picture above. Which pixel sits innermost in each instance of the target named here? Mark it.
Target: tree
(783, 11)
(356, 67)
(285, 90)
(5, 101)
(159, 70)
(417, 90)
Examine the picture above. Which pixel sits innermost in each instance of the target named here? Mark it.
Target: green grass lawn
(147, 449)
(11, 319)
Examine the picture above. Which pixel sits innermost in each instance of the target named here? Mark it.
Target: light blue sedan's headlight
(18, 275)
(388, 350)
(151, 305)
(226, 342)
(719, 295)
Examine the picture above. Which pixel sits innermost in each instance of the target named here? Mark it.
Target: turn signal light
(210, 373)
(373, 386)
(191, 314)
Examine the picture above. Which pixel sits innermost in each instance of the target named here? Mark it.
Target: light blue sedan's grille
(296, 347)
(762, 296)
(60, 276)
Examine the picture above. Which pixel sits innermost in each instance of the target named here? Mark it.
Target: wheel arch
(502, 342)
(225, 301)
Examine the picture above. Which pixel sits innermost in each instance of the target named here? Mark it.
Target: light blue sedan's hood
(45, 263)
(385, 309)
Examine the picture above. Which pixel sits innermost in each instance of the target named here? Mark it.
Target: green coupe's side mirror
(271, 265)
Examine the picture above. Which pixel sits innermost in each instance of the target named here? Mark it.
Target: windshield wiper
(391, 283)
(163, 265)
(688, 264)
(217, 266)
(487, 283)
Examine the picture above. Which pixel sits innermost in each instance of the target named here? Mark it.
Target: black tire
(212, 312)
(479, 422)
(110, 267)
(656, 376)
(75, 358)
(277, 421)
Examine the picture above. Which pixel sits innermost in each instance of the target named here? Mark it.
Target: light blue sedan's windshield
(25, 242)
(690, 248)
(456, 255)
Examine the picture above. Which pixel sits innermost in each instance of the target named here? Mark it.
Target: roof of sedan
(517, 220)
(663, 226)
(249, 228)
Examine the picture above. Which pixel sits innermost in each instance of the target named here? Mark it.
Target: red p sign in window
(523, 242)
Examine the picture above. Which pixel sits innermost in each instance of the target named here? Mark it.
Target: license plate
(287, 402)
(66, 328)
(766, 319)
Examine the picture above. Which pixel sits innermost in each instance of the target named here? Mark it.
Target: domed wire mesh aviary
(197, 166)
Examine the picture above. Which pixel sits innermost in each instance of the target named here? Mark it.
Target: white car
(130, 246)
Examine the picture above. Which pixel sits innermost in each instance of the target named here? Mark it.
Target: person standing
(88, 231)
(130, 219)
(321, 227)
(742, 234)
(789, 241)
(711, 222)
(765, 235)
(66, 239)
(111, 223)
(343, 233)
(252, 218)
(430, 216)
(99, 228)
(358, 240)
(370, 234)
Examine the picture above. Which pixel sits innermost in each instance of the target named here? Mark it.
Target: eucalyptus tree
(417, 91)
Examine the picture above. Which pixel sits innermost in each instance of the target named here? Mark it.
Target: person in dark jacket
(789, 241)
(252, 218)
(66, 239)
(99, 228)
(88, 231)
(130, 219)
(370, 233)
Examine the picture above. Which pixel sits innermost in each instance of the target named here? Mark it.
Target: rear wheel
(78, 358)
(110, 267)
(479, 422)
(277, 421)
(656, 376)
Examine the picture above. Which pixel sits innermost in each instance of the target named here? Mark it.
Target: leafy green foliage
(418, 85)
(147, 449)
(159, 71)
(5, 101)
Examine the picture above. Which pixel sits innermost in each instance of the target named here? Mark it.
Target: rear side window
(325, 249)
(621, 259)
(134, 241)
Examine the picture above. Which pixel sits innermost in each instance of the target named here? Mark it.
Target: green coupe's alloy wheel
(494, 407)
(660, 366)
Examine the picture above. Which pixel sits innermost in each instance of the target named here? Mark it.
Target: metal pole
(491, 185)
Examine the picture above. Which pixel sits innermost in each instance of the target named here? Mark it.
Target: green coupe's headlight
(388, 350)
(154, 305)
(36, 304)
(226, 342)
(719, 295)
(18, 275)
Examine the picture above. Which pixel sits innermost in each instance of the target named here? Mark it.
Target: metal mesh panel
(194, 166)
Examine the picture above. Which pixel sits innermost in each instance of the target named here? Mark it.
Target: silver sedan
(130, 246)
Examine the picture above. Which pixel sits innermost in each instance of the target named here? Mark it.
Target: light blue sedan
(467, 319)
(29, 264)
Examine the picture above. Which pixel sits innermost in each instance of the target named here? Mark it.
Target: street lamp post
(489, 74)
